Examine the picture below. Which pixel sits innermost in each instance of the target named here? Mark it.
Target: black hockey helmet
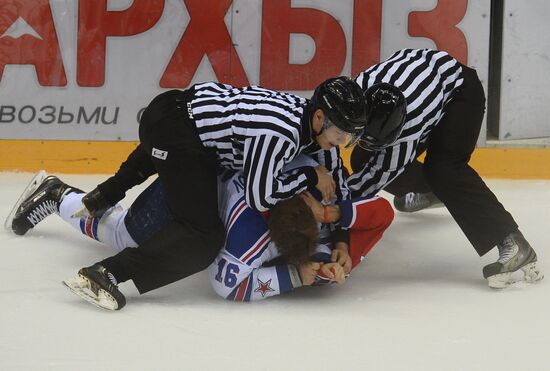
(386, 112)
(342, 101)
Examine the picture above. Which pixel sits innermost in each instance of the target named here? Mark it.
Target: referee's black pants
(170, 146)
(446, 172)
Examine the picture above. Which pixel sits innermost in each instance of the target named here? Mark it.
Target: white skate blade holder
(81, 286)
(525, 275)
(31, 187)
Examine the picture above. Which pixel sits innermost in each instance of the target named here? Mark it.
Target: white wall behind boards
(525, 93)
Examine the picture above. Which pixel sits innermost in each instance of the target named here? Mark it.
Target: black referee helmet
(341, 100)
(386, 112)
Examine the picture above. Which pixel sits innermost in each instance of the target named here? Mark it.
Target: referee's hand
(94, 204)
(325, 183)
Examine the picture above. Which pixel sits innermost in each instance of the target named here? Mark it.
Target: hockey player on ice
(239, 272)
(186, 136)
(249, 267)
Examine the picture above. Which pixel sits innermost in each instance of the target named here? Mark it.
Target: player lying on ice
(186, 137)
(266, 255)
(239, 265)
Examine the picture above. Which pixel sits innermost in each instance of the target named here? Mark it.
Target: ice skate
(31, 187)
(97, 286)
(39, 200)
(412, 202)
(517, 262)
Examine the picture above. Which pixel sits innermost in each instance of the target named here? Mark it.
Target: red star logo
(263, 287)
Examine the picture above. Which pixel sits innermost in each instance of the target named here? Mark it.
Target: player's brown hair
(293, 229)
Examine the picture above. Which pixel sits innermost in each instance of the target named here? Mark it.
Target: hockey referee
(185, 136)
(426, 100)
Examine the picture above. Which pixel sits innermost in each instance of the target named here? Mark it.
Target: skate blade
(528, 274)
(82, 287)
(31, 187)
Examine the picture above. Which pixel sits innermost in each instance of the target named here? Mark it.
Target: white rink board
(417, 303)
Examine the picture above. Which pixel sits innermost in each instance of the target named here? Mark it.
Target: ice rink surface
(418, 302)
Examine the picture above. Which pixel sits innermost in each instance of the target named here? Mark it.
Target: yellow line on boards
(87, 157)
(506, 163)
(70, 157)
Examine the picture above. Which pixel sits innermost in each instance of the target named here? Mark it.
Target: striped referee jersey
(258, 131)
(428, 79)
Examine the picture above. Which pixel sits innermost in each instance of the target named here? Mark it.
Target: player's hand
(334, 271)
(340, 255)
(308, 271)
(94, 205)
(316, 207)
(325, 183)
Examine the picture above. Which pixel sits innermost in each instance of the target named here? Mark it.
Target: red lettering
(367, 32)
(278, 22)
(95, 24)
(440, 25)
(29, 37)
(207, 34)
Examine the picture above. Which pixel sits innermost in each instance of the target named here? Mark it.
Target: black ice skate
(40, 199)
(517, 262)
(97, 286)
(412, 202)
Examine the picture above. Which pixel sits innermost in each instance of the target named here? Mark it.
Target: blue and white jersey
(238, 272)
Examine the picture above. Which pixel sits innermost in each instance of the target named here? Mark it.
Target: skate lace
(507, 250)
(43, 210)
(112, 278)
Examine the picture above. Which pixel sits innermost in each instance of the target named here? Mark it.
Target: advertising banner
(85, 70)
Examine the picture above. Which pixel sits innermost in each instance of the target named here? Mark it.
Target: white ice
(418, 302)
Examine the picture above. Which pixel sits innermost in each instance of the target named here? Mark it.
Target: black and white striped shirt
(428, 80)
(258, 131)
(332, 161)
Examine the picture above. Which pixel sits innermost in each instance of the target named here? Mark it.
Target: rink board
(86, 157)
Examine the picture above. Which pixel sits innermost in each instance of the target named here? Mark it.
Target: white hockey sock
(68, 206)
(109, 229)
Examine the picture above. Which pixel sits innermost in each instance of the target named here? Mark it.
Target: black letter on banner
(62, 113)
(20, 116)
(10, 113)
(50, 114)
(139, 114)
(115, 118)
(82, 115)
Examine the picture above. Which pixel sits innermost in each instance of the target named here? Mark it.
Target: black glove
(96, 203)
